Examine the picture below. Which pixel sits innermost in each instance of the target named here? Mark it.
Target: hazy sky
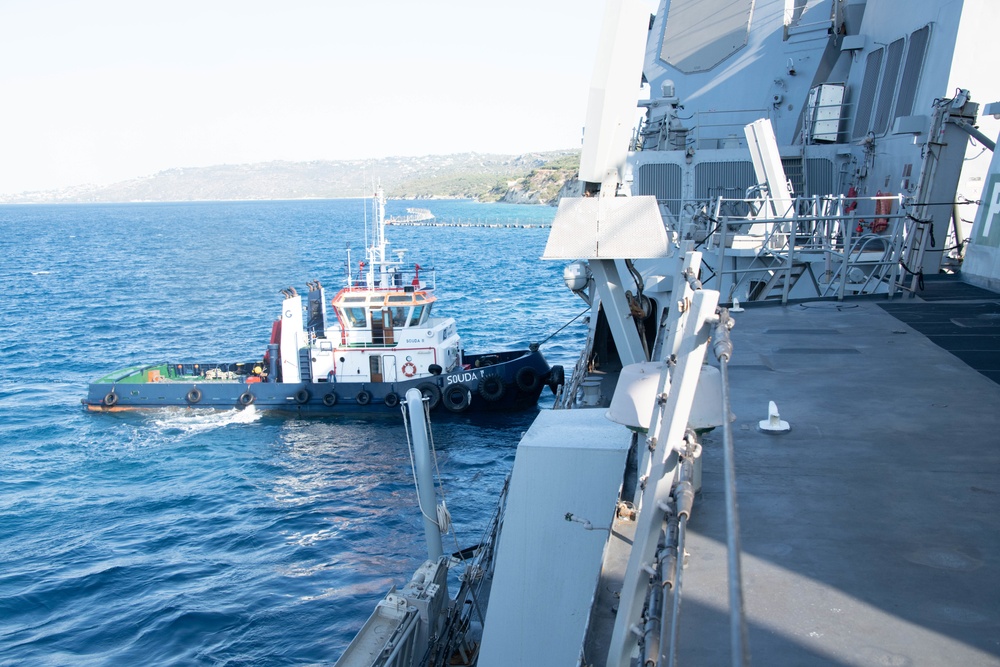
(105, 90)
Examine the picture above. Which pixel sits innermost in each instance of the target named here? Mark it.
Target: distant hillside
(544, 184)
(529, 178)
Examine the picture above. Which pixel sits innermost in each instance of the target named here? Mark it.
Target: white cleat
(773, 423)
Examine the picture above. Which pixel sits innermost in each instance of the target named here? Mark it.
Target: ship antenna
(365, 190)
(348, 263)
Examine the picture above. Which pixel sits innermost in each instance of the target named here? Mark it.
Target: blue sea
(227, 538)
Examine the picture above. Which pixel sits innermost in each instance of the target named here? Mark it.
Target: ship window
(866, 100)
(894, 55)
(415, 317)
(401, 298)
(354, 299)
(398, 316)
(355, 317)
(911, 71)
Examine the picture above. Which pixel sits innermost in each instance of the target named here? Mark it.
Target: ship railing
(708, 130)
(868, 263)
(812, 121)
(665, 497)
(724, 129)
(794, 27)
(402, 645)
(825, 238)
(469, 606)
(581, 369)
(398, 276)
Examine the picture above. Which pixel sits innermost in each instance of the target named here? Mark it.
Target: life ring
(409, 369)
(246, 398)
(527, 379)
(457, 398)
(492, 387)
(364, 397)
(330, 400)
(883, 206)
(432, 393)
(557, 376)
(302, 396)
(110, 400)
(194, 395)
(391, 399)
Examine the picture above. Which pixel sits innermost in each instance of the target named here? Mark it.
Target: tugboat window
(355, 317)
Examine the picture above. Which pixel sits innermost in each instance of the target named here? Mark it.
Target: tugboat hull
(486, 383)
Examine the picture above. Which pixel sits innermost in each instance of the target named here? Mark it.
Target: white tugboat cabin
(384, 331)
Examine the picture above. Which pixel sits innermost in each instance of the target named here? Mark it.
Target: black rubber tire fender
(246, 398)
(432, 393)
(330, 400)
(457, 398)
(364, 397)
(527, 379)
(302, 396)
(557, 376)
(391, 399)
(194, 395)
(491, 387)
(110, 400)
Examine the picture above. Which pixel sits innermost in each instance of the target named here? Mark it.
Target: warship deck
(870, 531)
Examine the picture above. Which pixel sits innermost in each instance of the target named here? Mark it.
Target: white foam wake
(196, 421)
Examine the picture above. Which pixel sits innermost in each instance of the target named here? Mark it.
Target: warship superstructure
(779, 443)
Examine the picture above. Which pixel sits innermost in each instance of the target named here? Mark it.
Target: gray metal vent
(793, 172)
(911, 71)
(723, 179)
(663, 181)
(894, 56)
(820, 176)
(866, 99)
(817, 179)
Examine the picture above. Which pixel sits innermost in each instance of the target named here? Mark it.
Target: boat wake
(187, 421)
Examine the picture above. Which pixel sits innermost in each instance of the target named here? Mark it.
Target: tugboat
(381, 342)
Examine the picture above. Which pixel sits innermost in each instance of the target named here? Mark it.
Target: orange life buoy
(409, 369)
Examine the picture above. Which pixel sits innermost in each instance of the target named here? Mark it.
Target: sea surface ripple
(231, 537)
